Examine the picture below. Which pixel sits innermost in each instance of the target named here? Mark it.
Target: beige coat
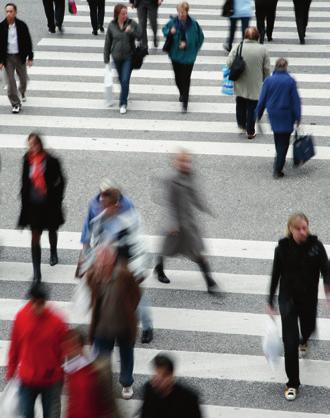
(257, 69)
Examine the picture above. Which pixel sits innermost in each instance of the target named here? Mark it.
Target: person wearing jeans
(242, 13)
(97, 9)
(50, 400)
(124, 70)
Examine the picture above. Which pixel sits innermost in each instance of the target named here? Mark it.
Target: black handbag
(238, 66)
(228, 8)
(168, 43)
(303, 148)
(138, 56)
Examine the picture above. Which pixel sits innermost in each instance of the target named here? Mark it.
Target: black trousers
(282, 142)
(301, 10)
(265, 11)
(147, 8)
(96, 10)
(245, 114)
(54, 10)
(291, 313)
(182, 74)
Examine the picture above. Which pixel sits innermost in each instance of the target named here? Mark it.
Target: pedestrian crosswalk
(216, 340)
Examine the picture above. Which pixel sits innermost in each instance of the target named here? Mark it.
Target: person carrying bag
(238, 66)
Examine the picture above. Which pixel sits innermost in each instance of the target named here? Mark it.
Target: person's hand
(1, 66)
(182, 45)
(270, 310)
(29, 63)
(327, 295)
(173, 30)
(128, 29)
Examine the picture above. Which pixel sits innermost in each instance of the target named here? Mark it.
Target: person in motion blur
(97, 10)
(301, 10)
(36, 356)
(242, 12)
(279, 95)
(119, 42)
(183, 235)
(186, 37)
(163, 397)
(123, 228)
(88, 381)
(115, 297)
(15, 52)
(299, 258)
(54, 10)
(147, 8)
(248, 86)
(265, 10)
(42, 193)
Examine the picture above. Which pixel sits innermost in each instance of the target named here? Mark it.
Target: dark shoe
(51, 31)
(180, 98)
(252, 136)
(94, 32)
(270, 39)
(147, 336)
(184, 108)
(302, 41)
(60, 28)
(278, 175)
(212, 287)
(53, 259)
(101, 29)
(163, 278)
(155, 41)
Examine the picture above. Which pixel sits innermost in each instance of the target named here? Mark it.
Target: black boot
(159, 270)
(212, 287)
(36, 261)
(53, 248)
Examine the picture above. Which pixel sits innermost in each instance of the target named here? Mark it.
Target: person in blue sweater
(242, 12)
(186, 40)
(279, 95)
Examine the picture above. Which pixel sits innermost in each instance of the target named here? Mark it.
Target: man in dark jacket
(301, 10)
(54, 10)
(15, 51)
(280, 96)
(164, 397)
(299, 259)
(265, 10)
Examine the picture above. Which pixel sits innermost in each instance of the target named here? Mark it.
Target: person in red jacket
(89, 382)
(36, 356)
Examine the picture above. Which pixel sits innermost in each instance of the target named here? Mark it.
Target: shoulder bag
(238, 66)
(228, 8)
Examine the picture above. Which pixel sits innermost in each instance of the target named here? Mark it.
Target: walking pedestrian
(119, 42)
(163, 397)
(265, 10)
(42, 193)
(15, 53)
(183, 235)
(36, 356)
(147, 9)
(279, 95)
(54, 10)
(186, 37)
(301, 10)
(97, 11)
(242, 12)
(247, 88)
(299, 258)
(115, 295)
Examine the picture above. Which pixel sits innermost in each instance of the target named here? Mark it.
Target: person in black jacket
(265, 10)
(42, 192)
(54, 10)
(15, 52)
(165, 398)
(299, 259)
(301, 10)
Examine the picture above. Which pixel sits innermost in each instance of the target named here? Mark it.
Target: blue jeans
(50, 400)
(104, 346)
(144, 313)
(124, 70)
(233, 24)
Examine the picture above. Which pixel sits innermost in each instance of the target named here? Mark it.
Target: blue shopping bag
(227, 85)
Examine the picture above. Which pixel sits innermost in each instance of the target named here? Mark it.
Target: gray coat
(257, 69)
(183, 199)
(119, 43)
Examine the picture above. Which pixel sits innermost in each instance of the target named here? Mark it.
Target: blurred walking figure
(183, 235)
(279, 95)
(115, 297)
(163, 397)
(299, 258)
(265, 10)
(247, 87)
(36, 356)
(89, 381)
(186, 39)
(145, 9)
(54, 10)
(15, 53)
(301, 10)
(42, 193)
(119, 42)
(97, 10)
(242, 12)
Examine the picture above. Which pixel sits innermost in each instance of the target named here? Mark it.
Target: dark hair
(251, 33)
(117, 9)
(39, 291)
(37, 138)
(163, 361)
(281, 64)
(12, 5)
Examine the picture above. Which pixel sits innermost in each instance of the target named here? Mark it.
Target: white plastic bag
(271, 343)
(9, 400)
(108, 85)
(81, 299)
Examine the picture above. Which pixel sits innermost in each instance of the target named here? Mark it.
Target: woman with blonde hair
(299, 259)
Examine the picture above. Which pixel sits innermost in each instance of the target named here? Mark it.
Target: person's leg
(144, 314)
(245, 24)
(232, 30)
(307, 319)
(282, 142)
(241, 112)
(27, 399)
(59, 13)
(159, 269)
(205, 269)
(52, 235)
(22, 75)
(185, 82)
(100, 14)
(103, 346)
(177, 68)
(49, 11)
(51, 400)
(93, 14)
(271, 20)
(260, 17)
(11, 81)
(306, 14)
(153, 14)
(36, 254)
(300, 19)
(126, 351)
(290, 336)
(250, 117)
(142, 12)
(126, 71)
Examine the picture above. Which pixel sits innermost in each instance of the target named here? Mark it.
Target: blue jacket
(194, 38)
(242, 8)
(279, 95)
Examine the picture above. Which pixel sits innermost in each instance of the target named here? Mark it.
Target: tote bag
(227, 85)
(72, 7)
(9, 400)
(108, 83)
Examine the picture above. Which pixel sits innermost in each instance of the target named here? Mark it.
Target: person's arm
(29, 45)
(266, 65)
(107, 46)
(87, 227)
(200, 36)
(136, 30)
(231, 56)
(276, 274)
(262, 101)
(167, 28)
(296, 102)
(14, 352)
(325, 270)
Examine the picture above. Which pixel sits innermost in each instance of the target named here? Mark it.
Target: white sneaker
(16, 109)
(290, 394)
(123, 109)
(127, 392)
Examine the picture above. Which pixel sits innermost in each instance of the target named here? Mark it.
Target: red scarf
(37, 172)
